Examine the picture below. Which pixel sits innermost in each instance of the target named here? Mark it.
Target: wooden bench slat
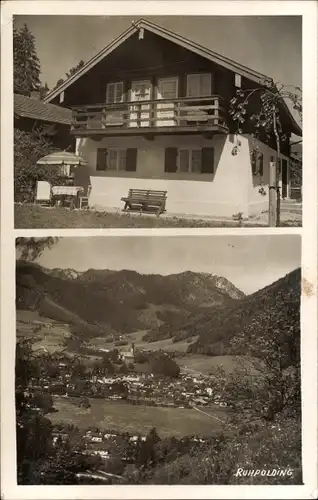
(148, 191)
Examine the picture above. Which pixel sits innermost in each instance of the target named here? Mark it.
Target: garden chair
(43, 194)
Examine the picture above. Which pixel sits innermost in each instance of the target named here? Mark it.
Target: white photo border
(308, 10)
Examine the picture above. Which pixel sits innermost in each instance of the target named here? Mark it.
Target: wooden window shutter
(254, 162)
(119, 92)
(207, 161)
(260, 164)
(131, 160)
(171, 155)
(110, 93)
(101, 160)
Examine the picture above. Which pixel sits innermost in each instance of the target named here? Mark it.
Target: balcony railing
(156, 116)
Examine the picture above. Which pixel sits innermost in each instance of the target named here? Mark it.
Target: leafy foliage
(29, 147)
(162, 364)
(262, 448)
(31, 248)
(269, 99)
(266, 123)
(38, 461)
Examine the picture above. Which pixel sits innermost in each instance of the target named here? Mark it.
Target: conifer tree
(26, 62)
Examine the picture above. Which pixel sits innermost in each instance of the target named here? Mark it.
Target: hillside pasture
(136, 338)
(193, 363)
(48, 335)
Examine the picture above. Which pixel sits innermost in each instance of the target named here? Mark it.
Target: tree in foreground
(29, 147)
(31, 248)
(265, 124)
(26, 63)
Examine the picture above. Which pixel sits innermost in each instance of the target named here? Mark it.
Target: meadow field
(125, 417)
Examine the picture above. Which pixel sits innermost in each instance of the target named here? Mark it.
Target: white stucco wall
(256, 201)
(222, 194)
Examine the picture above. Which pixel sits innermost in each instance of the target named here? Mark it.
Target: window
(116, 159)
(190, 160)
(167, 88)
(199, 85)
(196, 161)
(115, 92)
(184, 160)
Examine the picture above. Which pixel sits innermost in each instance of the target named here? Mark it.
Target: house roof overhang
(194, 47)
(36, 109)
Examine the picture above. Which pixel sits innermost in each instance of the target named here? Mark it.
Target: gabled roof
(194, 47)
(168, 35)
(27, 107)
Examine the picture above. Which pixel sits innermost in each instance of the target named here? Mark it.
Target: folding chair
(83, 200)
(43, 194)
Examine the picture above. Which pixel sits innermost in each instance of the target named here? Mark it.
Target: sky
(249, 262)
(268, 44)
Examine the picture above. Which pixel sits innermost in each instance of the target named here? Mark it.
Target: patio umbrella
(62, 158)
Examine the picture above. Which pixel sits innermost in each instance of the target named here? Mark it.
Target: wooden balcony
(186, 115)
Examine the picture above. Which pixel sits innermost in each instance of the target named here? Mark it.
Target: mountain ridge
(121, 301)
(220, 281)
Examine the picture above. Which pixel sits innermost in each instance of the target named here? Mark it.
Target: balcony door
(139, 114)
(167, 89)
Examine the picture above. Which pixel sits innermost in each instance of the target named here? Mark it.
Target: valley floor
(137, 419)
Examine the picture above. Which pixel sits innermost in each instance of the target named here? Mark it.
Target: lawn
(124, 417)
(36, 217)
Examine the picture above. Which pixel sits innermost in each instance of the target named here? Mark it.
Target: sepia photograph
(160, 121)
(159, 250)
(167, 360)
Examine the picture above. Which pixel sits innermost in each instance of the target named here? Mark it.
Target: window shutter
(131, 160)
(254, 162)
(207, 160)
(238, 80)
(119, 92)
(205, 84)
(260, 162)
(101, 160)
(171, 160)
(110, 97)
